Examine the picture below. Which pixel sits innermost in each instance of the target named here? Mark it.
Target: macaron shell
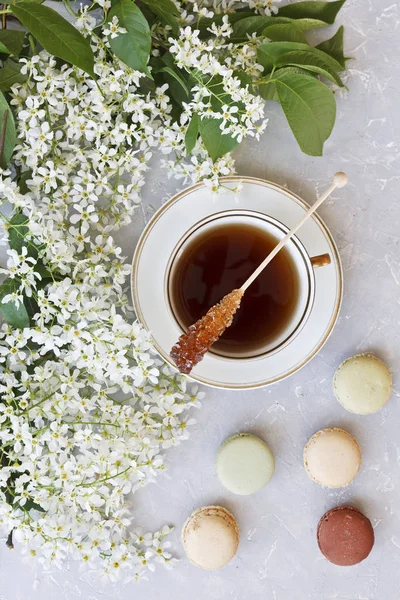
(332, 458)
(345, 536)
(362, 384)
(210, 537)
(244, 464)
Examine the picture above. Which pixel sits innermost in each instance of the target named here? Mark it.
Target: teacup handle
(322, 260)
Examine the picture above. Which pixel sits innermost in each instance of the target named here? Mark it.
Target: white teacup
(180, 217)
(303, 264)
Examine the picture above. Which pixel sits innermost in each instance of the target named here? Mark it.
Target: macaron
(332, 457)
(362, 384)
(345, 536)
(244, 464)
(210, 537)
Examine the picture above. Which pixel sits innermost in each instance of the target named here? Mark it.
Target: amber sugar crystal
(193, 345)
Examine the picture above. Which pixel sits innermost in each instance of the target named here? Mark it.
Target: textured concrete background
(278, 558)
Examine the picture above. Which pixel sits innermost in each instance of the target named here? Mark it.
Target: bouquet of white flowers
(86, 407)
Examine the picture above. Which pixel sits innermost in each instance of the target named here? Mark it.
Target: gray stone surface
(278, 558)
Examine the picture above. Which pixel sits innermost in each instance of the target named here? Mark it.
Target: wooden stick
(339, 180)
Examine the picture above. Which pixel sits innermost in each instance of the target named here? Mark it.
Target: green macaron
(244, 464)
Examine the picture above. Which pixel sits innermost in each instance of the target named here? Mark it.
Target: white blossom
(80, 383)
(87, 407)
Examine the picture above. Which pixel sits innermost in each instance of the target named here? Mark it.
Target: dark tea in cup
(215, 260)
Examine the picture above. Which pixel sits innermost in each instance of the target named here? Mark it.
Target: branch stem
(9, 542)
(3, 136)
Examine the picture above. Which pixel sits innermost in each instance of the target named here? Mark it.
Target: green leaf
(308, 24)
(292, 31)
(334, 47)
(156, 63)
(268, 54)
(244, 78)
(312, 60)
(217, 144)
(30, 303)
(7, 119)
(167, 59)
(43, 271)
(30, 504)
(191, 133)
(10, 74)
(16, 317)
(23, 178)
(178, 82)
(267, 90)
(150, 17)
(255, 24)
(166, 11)
(4, 49)
(176, 112)
(310, 109)
(285, 32)
(220, 96)
(132, 47)
(13, 39)
(17, 231)
(321, 71)
(55, 34)
(312, 9)
(147, 85)
(177, 78)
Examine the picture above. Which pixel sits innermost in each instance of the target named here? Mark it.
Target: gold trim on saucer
(264, 183)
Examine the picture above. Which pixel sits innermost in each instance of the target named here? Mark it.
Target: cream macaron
(244, 464)
(362, 384)
(332, 457)
(210, 537)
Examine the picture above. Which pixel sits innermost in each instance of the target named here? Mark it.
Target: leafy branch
(281, 41)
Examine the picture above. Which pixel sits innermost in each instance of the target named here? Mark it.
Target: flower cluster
(208, 8)
(218, 92)
(87, 409)
(216, 67)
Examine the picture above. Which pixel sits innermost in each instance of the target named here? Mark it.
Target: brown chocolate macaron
(345, 536)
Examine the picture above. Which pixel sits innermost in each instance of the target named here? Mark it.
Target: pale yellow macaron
(332, 457)
(362, 384)
(210, 537)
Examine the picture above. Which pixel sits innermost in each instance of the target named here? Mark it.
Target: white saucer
(167, 227)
